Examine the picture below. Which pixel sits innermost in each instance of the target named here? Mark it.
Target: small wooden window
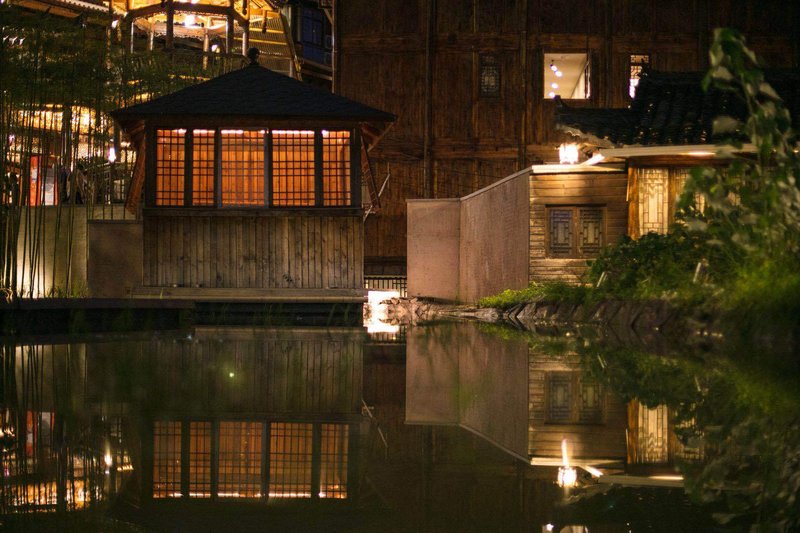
(200, 459)
(638, 62)
(333, 461)
(336, 167)
(203, 167)
(290, 458)
(242, 168)
(293, 168)
(170, 160)
(573, 398)
(239, 460)
(575, 231)
(167, 460)
(489, 76)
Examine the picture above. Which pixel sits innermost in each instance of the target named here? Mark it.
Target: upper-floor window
(253, 168)
(567, 76)
(637, 64)
(489, 76)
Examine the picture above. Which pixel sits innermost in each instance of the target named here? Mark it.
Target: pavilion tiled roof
(670, 109)
(254, 91)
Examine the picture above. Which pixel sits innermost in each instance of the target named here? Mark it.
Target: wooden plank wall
(257, 372)
(383, 57)
(606, 440)
(293, 251)
(606, 189)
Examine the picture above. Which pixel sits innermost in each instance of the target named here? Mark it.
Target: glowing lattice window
(242, 168)
(170, 161)
(333, 459)
(293, 168)
(200, 459)
(239, 460)
(653, 435)
(290, 457)
(203, 167)
(653, 185)
(167, 460)
(336, 167)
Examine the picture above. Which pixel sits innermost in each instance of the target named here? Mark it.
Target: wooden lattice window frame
(170, 167)
(239, 474)
(573, 398)
(637, 63)
(489, 80)
(574, 231)
(229, 168)
(167, 461)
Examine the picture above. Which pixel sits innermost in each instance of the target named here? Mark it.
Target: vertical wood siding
(295, 251)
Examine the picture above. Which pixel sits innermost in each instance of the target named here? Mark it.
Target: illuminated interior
(295, 158)
(567, 76)
(293, 451)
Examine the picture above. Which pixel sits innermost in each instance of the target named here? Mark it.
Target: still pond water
(446, 427)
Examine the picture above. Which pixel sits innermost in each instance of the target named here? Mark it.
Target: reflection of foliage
(747, 423)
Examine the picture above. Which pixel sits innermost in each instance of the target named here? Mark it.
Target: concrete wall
(115, 257)
(433, 248)
(52, 248)
(494, 239)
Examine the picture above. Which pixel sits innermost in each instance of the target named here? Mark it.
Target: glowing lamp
(107, 459)
(568, 154)
(567, 477)
(112, 154)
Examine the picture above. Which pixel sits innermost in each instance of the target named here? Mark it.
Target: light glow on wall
(568, 154)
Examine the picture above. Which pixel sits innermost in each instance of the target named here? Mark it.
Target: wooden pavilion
(252, 189)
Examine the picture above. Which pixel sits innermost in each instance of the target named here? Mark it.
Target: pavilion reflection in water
(218, 414)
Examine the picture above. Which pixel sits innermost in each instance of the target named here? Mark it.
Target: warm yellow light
(107, 459)
(567, 477)
(700, 153)
(112, 154)
(568, 154)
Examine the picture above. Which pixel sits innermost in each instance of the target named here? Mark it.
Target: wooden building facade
(470, 80)
(251, 182)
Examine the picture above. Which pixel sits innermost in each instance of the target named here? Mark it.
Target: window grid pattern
(290, 460)
(591, 230)
(293, 168)
(489, 76)
(393, 283)
(561, 234)
(167, 460)
(653, 200)
(559, 407)
(239, 460)
(203, 167)
(590, 409)
(336, 168)
(242, 168)
(333, 458)
(200, 460)
(653, 434)
(170, 160)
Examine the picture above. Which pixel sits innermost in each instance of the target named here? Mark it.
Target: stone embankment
(640, 320)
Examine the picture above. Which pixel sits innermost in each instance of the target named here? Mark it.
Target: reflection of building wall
(566, 403)
(251, 459)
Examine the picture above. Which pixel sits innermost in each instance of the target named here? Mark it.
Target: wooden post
(185, 443)
(245, 40)
(316, 459)
(355, 167)
(268, 168)
(188, 163)
(170, 24)
(427, 141)
(265, 448)
(229, 28)
(319, 182)
(206, 42)
(217, 167)
(150, 170)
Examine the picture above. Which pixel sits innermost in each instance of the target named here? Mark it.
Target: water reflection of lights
(377, 312)
(567, 476)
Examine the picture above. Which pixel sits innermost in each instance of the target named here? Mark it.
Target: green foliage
(558, 291)
(745, 422)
